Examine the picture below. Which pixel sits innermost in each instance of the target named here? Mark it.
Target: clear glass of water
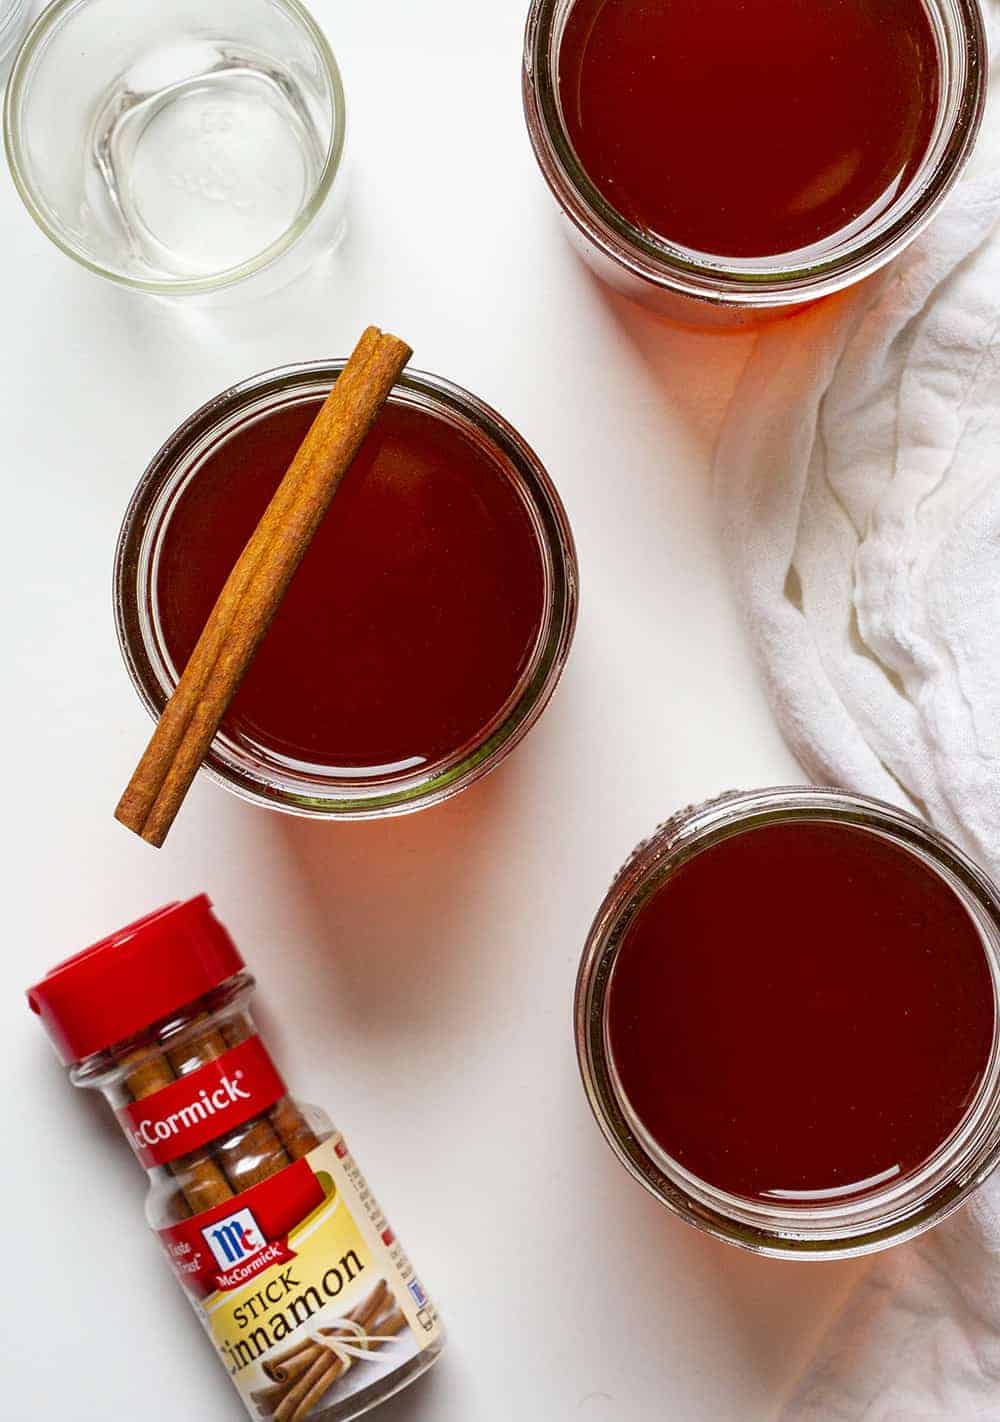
(179, 146)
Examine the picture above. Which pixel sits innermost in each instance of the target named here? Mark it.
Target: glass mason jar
(250, 770)
(180, 149)
(242, 1177)
(723, 291)
(893, 1212)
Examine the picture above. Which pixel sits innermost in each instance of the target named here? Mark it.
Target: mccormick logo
(155, 1131)
(234, 1239)
(241, 1250)
(203, 1104)
(244, 1238)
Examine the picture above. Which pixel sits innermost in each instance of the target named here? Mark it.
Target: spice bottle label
(197, 1108)
(304, 1289)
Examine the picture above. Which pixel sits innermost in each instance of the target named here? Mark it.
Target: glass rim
(313, 794)
(831, 1230)
(764, 282)
(18, 85)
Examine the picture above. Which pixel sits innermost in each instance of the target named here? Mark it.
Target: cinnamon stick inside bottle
(199, 1177)
(244, 1156)
(250, 1153)
(291, 1126)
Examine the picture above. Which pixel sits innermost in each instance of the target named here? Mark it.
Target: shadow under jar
(717, 162)
(426, 628)
(787, 1022)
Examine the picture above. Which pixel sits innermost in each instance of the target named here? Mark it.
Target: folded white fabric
(859, 483)
(858, 478)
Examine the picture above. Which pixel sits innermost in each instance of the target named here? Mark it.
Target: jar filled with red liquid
(422, 635)
(717, 161)
(787, 1022)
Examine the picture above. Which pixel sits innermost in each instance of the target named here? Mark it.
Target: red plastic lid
(130, 980)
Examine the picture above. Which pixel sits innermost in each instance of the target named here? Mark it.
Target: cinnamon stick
(266, 1399)
(290, 1125)
(202, 1183)
(286, 1368)
(274, 1367)
(386, 1327)
(253, 592)
(305, 1372)
(389, 1326)
(249, 1153)
(294, 1131)
(317, 1392)
(325, 1369)
(362, 1313)
(366, 1310)
(293, 1368)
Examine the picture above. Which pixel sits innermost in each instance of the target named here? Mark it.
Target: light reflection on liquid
(835, 1192)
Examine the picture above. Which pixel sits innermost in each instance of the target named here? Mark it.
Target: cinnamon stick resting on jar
(254, 589)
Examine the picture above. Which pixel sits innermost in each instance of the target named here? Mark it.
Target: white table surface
(416, 976)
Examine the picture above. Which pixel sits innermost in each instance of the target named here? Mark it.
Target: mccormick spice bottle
(269, 1224)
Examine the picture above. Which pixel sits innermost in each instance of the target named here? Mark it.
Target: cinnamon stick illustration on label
(304, 1375)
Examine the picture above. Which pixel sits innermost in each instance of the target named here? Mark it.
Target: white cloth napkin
(858, 477)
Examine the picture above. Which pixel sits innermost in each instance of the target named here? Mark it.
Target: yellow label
(342, 1293)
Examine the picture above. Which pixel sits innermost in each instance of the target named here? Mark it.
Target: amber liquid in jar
(754, 129)
(801, 1014)
(413, 617)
